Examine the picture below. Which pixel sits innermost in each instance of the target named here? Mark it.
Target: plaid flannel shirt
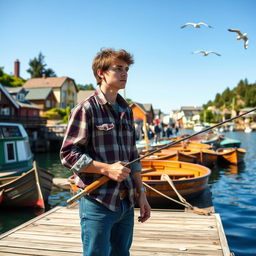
(96, 132)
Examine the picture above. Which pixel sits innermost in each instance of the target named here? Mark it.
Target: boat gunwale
(205, 175)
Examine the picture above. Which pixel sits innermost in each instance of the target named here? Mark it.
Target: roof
(28, 104)
(9, 96)
(15, 90)
(38, 93)
(53, 82)
(140, 106)
(191, 111)
(191, 108)
(144, 107)
(148, 107)
(157, 111)
(83, 94)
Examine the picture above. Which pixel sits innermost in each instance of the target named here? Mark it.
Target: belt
(123, 194)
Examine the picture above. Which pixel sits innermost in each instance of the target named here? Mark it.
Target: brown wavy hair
(105, 57)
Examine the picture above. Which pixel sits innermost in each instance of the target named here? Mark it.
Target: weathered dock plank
(57, 232)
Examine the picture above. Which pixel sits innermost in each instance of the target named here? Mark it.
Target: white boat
(198, 127)
(247, 129)
(15, 153)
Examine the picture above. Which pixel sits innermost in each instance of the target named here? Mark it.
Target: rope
(182, 201)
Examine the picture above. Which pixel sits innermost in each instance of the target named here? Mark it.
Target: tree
(8, 80)
(207, 116)
(85, 87)
(38, 67)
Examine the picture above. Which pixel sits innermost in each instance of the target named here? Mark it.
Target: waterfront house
(64, 89)
(142, 112)
(16, 108)
(43, 97)
(190, 115)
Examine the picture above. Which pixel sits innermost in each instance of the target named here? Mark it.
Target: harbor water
(233, 189)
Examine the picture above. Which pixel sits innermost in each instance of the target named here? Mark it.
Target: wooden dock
(57, 233)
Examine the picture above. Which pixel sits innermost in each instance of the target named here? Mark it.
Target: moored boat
(229, 143)
(203, 156)
(189, 179)
(28, 189)
(172, 155)
(15, 153)
(231, 155)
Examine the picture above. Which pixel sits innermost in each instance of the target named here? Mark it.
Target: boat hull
(189, 179)
(231, 155)
(30, 189)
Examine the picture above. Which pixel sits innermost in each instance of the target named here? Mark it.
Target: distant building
(142, 112)
(43, 97)
(15, 108)
(64, 89)
(190, 115)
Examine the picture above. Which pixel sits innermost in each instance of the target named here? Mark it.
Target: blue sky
(70, 32)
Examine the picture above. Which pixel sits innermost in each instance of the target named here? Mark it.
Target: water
(233, 189)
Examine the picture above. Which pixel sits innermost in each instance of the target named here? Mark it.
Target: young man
(100, 140)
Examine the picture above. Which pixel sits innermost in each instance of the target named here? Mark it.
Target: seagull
(196, 25)
(205, 53)
(241, 36)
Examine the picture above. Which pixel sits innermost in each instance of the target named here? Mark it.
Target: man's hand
(117, 171)
(145, 208)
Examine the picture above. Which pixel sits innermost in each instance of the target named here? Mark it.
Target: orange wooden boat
(204, 156)
(172, 155)
(189, 179)
(29, 189)
(231, 155)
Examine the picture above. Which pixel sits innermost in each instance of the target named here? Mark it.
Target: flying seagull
(205, 53)
(196, 25)
(241, 36)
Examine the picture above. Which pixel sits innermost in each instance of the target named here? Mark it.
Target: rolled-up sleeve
(72, 152)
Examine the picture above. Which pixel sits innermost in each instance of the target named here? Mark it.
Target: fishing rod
(104, 179)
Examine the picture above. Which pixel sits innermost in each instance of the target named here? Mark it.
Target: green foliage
(129, 101)
(38, 68)
(243, 95)
(8, 80)
(58, 113)
(207, 116)
(85, 87)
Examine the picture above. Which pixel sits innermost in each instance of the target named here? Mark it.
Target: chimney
(17, 68)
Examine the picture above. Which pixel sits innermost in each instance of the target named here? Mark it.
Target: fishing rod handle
(88, 189)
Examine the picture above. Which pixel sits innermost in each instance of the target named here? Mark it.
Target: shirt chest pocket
(105, 127)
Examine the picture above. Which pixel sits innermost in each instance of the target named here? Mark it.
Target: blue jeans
(104, 232)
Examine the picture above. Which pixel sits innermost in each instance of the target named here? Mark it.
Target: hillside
(243, 95)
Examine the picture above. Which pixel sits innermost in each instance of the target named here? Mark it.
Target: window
(48, 104)
(20, 96)
(10, 131)
(5, 111)
(10, 152)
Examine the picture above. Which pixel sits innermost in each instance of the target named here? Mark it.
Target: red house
(14, 108)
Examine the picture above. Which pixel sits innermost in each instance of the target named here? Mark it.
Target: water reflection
(50, 161)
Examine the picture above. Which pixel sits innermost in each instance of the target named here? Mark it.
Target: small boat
(248, 129)
(231, 155)
(211, 139)
(189, 179)
(198, 127)
(229, 143)
(15, 152)
(172, 155)
(28, 189)
(203, 156)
